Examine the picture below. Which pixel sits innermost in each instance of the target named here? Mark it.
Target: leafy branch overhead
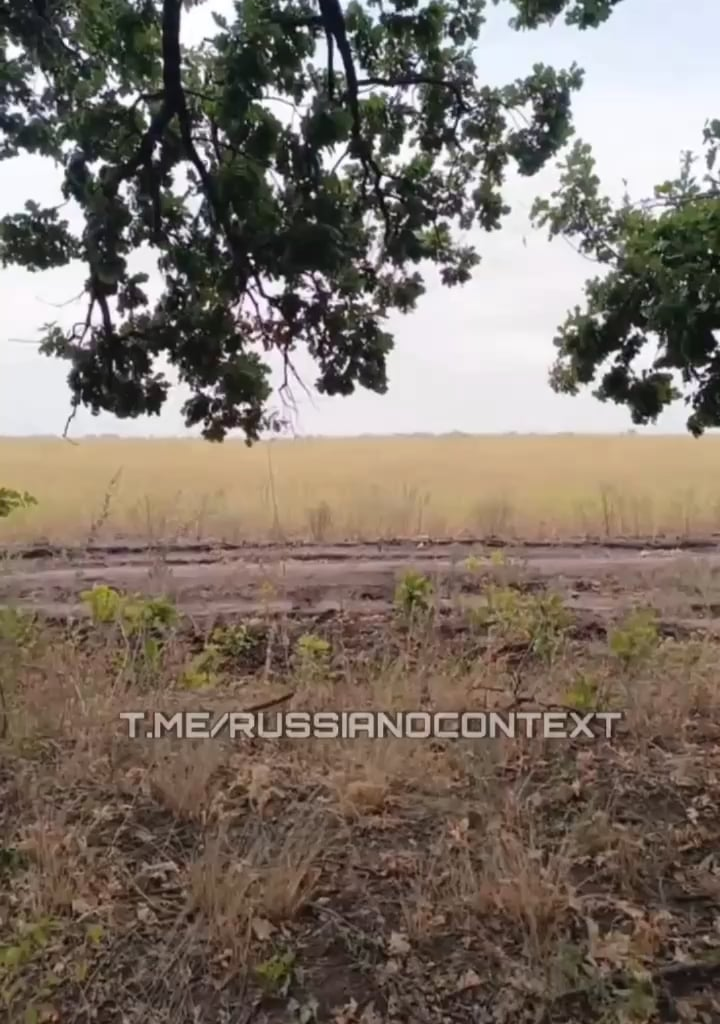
(661, 289)
(292, 175)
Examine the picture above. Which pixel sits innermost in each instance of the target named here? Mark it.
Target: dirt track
(211, 580)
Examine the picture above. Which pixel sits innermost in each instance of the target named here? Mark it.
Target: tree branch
(405, 80)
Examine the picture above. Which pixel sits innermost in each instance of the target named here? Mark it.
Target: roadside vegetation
(364, 881)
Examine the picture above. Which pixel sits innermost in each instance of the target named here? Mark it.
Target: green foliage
(285, 205)
(145, 625)
(26, 994)
(135, 613)
(473, 564)
(538, 621)
(18, 629)
(233, 641)
(636, 639)
(105, 604)
(29, 944)
(661, 292)
(227, 645)
(413, 594)
(203, 671)
(584, 694)
(11, 501)
(276, 974)
(313, 654)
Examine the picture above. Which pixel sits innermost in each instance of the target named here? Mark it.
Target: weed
(232, 642)
(144, 624)
(29, 943)
(584, 694)
(636, 639)
(203, 670)
(413, 594)
(538, 622)
(313, 654)
(639, 1001)
(104, 603)
(276, 974)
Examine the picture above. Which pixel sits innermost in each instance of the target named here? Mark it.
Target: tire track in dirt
(358, 578)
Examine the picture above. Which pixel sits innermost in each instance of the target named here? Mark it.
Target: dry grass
(358, 882)
(534, 487)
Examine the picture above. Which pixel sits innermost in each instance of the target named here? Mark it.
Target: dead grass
(359, 882)
(323, 490)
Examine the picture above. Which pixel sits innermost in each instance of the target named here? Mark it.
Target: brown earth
(681, 581)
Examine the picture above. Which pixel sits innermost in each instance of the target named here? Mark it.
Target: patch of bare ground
(364, 881)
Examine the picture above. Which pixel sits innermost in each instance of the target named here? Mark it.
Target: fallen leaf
(398, 944)
(262, 928)
(470, 979)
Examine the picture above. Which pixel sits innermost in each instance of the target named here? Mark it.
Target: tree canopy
(295, 175)
(662, 288)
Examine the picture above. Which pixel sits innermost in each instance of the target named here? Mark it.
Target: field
(439, 881)
(324, 490)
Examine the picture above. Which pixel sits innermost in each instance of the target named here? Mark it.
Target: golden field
(532, 487)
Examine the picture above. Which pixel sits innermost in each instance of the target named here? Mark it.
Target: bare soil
(681, 581)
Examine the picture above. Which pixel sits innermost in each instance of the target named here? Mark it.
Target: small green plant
(29, 943)
(313, 654)
(27, 996)
(413, 593)
(203, 671)
(226, 645)
(636, 639)
(473, 564)
(18, 629)
(276, 974)
(584, 694)
(104, 603)
(135, 613)
(149, 613)
(639, 1003)
(11, 501)
(232, 642)
(538, 621)
(549, 622)
(145, 625)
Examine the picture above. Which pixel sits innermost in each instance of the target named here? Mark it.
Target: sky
(474, 359)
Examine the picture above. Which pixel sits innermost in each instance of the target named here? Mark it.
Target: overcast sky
(474, 359)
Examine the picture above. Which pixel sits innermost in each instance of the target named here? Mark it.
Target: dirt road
(206, 580)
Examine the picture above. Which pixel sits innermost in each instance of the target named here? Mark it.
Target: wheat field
(530, 487)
